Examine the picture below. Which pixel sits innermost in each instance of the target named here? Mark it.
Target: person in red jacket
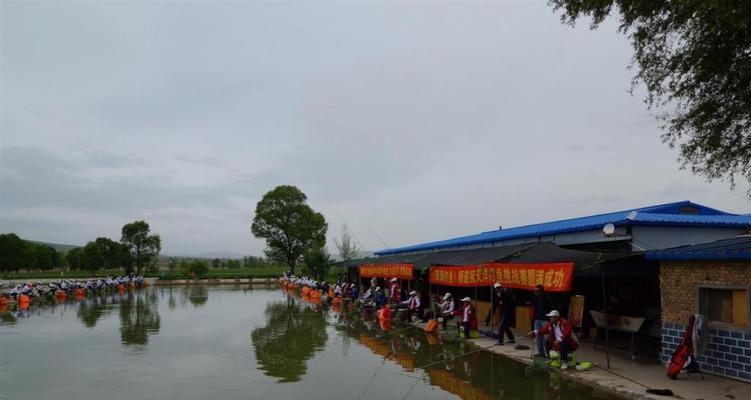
(561, 336)
(469, 316)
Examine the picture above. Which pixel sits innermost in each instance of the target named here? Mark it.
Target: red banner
(401, 271)
(555, 277)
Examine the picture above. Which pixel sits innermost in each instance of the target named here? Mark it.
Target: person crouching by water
(413, 306)
(561, 339)
(469, 316)
(447, 309)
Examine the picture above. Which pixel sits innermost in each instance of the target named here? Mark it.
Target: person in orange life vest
(561, 336)
(413, 306)
(394, 290)
(469, 316)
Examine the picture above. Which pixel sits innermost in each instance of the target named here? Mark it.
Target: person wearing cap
(541, 306)
(447, 308)
(394, 290)
(469, 316)
(503, 303)
(413, 305)
(353, 292)
(561, 337)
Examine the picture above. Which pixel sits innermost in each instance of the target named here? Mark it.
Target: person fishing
(394, 290)
(353, 293)
(508, 306)
(561, 337)
(380, 298)
(541, 306)
(413, 306)
(447, 309)
(469, 316)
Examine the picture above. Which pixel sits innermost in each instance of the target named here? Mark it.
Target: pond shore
(627, 378)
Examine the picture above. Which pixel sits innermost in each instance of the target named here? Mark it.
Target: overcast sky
(417, 121)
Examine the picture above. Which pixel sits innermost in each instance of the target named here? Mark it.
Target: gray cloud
(417, 121)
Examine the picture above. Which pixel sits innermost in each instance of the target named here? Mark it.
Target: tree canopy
(143, 247)
(347, 247)
(17, 254)
(694, 57)
(289, 225)
(317, 262)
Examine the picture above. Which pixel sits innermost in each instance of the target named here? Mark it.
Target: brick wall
(729, 351)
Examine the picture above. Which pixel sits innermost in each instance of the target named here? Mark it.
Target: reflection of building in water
(452, 384)
(139, 317)
(292, 335)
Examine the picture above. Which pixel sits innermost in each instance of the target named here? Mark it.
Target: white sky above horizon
(409, 121)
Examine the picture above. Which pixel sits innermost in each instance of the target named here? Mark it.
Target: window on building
(727, 306)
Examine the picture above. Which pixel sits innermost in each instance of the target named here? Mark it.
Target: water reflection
(293, 333)
(458, 367)
(92, 309)
(198, 295)
(139, 317)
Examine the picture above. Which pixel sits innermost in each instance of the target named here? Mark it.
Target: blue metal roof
(737, 248)
(664, 214)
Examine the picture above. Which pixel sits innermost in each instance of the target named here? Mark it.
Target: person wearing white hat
(469, 317)
(447, 309)
(561, 336)
(413, 305)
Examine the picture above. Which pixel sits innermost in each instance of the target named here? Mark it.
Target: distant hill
(207, 255)
(219, 254)
(56, 246)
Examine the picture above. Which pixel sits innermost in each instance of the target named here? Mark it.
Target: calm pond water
(198, 342)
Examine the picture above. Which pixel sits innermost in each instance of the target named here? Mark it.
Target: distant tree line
(136, 249)
(17, 254)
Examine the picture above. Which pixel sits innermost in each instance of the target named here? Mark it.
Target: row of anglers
(61, 289)
(553, 334)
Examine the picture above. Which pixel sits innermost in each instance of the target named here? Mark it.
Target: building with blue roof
(636, 230)
(713, 280)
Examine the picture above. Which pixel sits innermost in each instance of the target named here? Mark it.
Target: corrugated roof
(662, 214)
(737, 248)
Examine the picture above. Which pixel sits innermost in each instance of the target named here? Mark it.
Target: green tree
(694, 59)
(317, 262)
(348, 249)
(74, 258)
(12, 252)
(216, 263)
(288, 224)
(92, 257)
(195, 267)
(142, 246)
(172, 265)
(115, 254)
